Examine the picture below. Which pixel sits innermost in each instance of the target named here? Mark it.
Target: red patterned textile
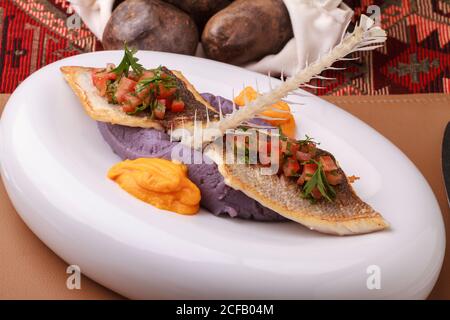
(416, 57)
(34, 33)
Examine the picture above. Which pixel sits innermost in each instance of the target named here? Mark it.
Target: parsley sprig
(319, 180)
(307, 140)
(129, 60)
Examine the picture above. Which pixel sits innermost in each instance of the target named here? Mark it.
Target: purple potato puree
(217, 197)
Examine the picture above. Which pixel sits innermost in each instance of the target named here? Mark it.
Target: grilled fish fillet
(98, 108)
(346, 215)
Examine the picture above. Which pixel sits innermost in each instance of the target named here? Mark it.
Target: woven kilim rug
(416, 57)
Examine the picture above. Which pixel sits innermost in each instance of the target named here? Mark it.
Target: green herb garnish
(142, 107)
(281, 134)
(167, 82)
(307, 140)
(111, 89)
(319, 180)
(129, 60)
(288, 152)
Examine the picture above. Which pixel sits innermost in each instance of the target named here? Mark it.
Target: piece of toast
(346, 215)
(98, 108)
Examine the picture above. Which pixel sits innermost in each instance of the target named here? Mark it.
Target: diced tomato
(303, 156)
(164, 103)
(101, 84)
(144, 93)
(147, 100)
(328, 163)
(334, 178)
(148, 88)
(133, 76)
(100, 79)
(293, 148)
(308, 170)
(289, 147)
(132, 99)
(125, 86)
(316, 193)
(164, 92)
(177, 106)
(164, 75)
(147, 75)
(291, 167)
(101, 73)
(169, 103)
(159, 111)
(111, 76)
(308, 147)
(131, 103)
(128, 108)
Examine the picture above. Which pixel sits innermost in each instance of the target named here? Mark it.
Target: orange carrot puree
(161, 183)
(287, 124)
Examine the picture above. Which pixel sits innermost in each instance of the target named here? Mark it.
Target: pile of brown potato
(236, 32)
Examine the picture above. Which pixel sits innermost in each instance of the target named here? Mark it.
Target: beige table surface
(415, 123)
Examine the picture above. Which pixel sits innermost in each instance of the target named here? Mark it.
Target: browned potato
(247, 30)
(200, 10)
(151, 25)
(116, 3)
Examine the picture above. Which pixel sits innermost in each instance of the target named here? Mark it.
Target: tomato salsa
(314, 170)
(138, 90)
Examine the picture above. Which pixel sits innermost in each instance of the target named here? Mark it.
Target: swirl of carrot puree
(161, 183)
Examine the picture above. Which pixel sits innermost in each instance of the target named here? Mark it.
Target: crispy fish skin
(97, 107)
(346, 215)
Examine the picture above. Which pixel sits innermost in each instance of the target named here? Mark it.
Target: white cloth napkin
(94, 13)
(318, 25)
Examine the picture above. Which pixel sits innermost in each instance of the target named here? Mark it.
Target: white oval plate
(54, 162)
